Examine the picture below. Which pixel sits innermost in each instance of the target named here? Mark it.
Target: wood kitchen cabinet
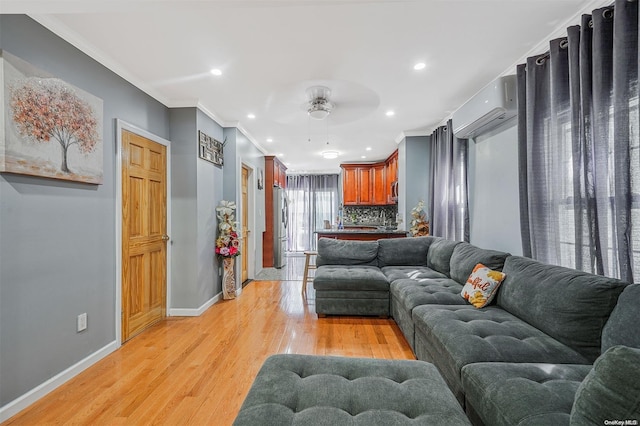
(275, 176)
(356, 184)
(378, 184)
(276, 173)
(391, 177)
(369, 184)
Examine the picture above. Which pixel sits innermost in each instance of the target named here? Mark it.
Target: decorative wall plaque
(210, 149)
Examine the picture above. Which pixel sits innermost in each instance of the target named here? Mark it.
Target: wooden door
(244, 250)
(144, 239)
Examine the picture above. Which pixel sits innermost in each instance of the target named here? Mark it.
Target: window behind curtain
(579, 146)
(312, 200)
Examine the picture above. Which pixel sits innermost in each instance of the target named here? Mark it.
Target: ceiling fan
(345, 101)
(319, 105)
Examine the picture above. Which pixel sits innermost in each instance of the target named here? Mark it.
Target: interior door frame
(120, 126)
(251, 198)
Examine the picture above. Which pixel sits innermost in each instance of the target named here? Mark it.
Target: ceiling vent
(489, 108)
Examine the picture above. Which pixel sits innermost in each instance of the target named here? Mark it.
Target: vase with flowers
(419, 223)
(227, 246)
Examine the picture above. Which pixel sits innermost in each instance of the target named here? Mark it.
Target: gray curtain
(312, 200)
(578, 146)
(448, 206)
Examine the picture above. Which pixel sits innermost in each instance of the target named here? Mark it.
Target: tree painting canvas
(48, 127)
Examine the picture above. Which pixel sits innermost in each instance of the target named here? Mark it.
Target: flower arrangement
(419, 224)
(227, 242)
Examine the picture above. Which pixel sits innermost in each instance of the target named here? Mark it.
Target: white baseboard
(22, 402)
(187, 312)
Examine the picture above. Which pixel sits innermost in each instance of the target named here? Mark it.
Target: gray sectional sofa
(522, 360)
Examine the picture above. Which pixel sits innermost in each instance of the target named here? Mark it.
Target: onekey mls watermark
(628, 422)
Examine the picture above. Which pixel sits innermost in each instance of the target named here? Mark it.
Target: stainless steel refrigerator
(281, 219)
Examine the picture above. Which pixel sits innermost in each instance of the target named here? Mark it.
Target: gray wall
(57, 244)
(494, 215)
(239, 148)
(209, 193)
(184, 151)
(413, 175)
(196, 190)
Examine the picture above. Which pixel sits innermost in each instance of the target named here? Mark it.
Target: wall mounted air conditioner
(490, 107)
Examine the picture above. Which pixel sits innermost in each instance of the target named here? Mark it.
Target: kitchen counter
(364, 234)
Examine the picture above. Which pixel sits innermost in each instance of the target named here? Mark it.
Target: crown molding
(411, 133)
(71, 37)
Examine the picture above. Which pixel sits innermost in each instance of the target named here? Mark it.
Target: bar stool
(307, 266)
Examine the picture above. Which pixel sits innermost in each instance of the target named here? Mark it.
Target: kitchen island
(361, 233)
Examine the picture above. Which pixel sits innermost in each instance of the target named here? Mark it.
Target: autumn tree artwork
(48, 118)
(48, 110)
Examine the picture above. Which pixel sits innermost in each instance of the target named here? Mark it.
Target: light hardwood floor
(197, 371)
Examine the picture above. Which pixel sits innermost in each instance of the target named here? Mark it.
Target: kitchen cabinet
(277, 170)
(378, 184)
(391, 178)
(369, 184)
(275, 176)
(356, 184)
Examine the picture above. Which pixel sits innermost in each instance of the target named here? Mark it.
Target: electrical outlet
(82, 322)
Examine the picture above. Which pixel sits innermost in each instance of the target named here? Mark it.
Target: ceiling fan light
(319, 110)
(330, 155)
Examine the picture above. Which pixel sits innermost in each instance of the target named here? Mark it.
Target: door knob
(165, 237)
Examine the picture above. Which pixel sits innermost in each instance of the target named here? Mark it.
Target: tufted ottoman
(324, 390)
(351, 290)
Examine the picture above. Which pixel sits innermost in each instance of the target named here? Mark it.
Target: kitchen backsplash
(365, 215)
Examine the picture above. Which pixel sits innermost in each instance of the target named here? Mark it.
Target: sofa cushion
(406, 294)
(410, 272)
(410, 251)
(340, 277)
(623, 327)
(455, 336)
(465, 257)
(325, 390)
(611, 391)
(347, 252)
(439, 255)
(506, 394)
(481, 286)
(435, 291)
(568, 305)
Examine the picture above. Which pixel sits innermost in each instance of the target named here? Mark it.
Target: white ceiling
(271, 51)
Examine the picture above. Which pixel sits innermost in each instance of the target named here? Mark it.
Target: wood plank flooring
(198, 370)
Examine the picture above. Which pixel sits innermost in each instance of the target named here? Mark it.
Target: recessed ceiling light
(390, 113)
(330, 155)
(280, 155)
(363, 156)
(368, 148)
(251, 116)
(269, 140)
(217, 72)
(419, 66)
